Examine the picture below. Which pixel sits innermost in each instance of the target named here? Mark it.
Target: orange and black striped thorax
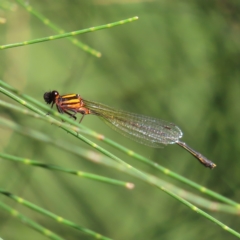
(69, 103)
(73, 101)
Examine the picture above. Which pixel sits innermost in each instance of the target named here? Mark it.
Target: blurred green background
(179, 62)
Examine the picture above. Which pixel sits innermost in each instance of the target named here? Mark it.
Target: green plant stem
(61, 169)
(51, 215)
(46, 232)
(53, 26)
(100, 159)
(69, 34)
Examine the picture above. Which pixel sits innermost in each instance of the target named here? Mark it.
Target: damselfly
(146, 130)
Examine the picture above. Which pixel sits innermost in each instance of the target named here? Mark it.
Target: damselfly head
(50, 97)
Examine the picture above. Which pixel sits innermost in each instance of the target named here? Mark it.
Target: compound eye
(55, 93)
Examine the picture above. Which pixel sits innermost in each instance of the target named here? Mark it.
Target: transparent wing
(143, 129)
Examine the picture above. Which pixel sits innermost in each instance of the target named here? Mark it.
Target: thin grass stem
(57, 29)
(57, 218)
(69, 34)
(78, 173)
(23, 219)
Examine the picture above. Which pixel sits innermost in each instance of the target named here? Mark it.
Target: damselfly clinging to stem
(146, 130)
